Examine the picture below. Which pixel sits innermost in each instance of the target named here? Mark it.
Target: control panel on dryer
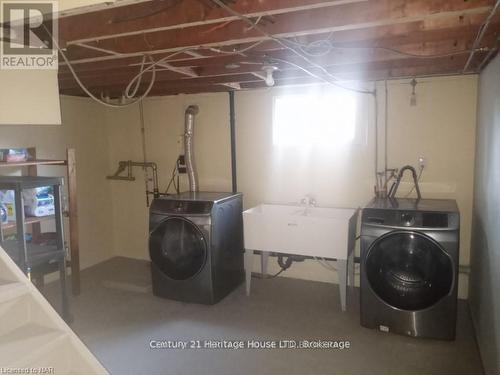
(181, 207)
(411, 219)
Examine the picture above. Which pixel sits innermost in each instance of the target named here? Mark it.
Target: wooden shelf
(28, 220)
(31, 162)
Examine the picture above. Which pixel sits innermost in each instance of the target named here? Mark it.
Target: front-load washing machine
(409, 266)
(196, 246)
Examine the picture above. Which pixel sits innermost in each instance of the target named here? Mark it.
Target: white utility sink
(314, 231)
(320, 232)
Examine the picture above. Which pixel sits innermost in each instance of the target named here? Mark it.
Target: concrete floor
(117, 316)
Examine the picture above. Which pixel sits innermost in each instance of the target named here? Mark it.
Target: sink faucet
(308, 201)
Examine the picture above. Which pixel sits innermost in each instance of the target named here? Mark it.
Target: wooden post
(73, 223)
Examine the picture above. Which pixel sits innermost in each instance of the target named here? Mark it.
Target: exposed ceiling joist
(182, 15)
(76, 8)
(232, 85)
(253, 62)
(364, 16)
(388, 36)
(370, 39)
(182, 70)
(346, 71)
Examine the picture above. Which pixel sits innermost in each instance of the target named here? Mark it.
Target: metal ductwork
(191, 112)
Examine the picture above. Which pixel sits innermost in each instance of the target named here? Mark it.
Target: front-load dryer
(409, 266)
(196, 246)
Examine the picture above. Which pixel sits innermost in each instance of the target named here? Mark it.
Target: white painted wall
(441, 128)
(164, 118)
(84, 129)
(485, 276)
(29, 97)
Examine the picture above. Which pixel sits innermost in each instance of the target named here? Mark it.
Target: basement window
(316, 119)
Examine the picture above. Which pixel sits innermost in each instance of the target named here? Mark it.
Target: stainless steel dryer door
(178, 248)
(409, 270)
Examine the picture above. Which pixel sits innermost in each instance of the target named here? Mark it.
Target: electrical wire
(277, 273)
(480, 35)
(256, 22)
(300, 49)
(407, 54)
(153, 65)
(136, 88)
(144, 153)
(287, 44)
(188, 49)
(135, 81)
(172, 179)
(284, 264)
(132, 87)
(135, 17)
(320, 77)
(175, 173)
(243, 50)
(305, 48)
(177, 187)
(87, 91)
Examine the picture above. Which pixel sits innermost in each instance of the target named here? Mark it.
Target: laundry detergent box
(12, 155)
(7, 199)
(39, 202)
(3, 213)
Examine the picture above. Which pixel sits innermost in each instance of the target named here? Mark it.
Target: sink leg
(248, 269)
(342, 275)
(264, 260)
(351, 267)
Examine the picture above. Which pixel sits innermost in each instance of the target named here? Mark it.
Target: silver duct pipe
(191, 112)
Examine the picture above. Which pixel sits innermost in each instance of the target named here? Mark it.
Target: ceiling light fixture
(269, 69)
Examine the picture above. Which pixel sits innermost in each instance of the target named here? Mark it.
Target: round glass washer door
(178, 248)
(409, 270)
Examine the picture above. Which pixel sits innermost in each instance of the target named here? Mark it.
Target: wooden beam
(369, 75)
(389, 35)
(373, 75)
(105, 5)
(355, 16)
(253, 64)
(364, 71)
(233, 85)
(181, 70)
(364, 36)
(172, 15)
(161, 92)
